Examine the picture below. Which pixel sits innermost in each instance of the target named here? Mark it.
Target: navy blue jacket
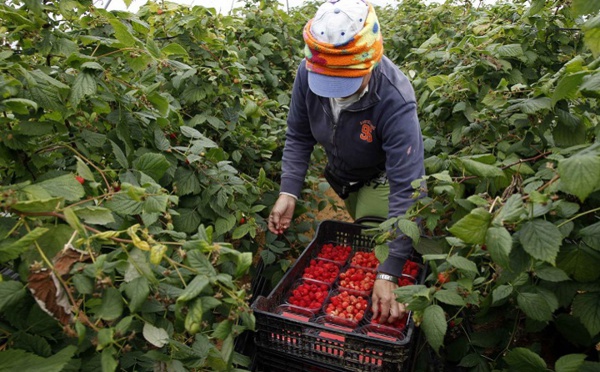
(379, 132)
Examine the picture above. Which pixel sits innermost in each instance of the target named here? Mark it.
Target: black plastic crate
(336, 348)
(266, 361)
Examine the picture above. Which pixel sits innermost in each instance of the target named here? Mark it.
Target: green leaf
(105, 337)
(473, 227)
(121, 203)
(154, 335)
(580, 175)
(536, 7)
(476, 168)
(32, 343)
(174, 49)
(541, 239)
(568, 87)
(223, 329)
(83, 86)
(122, 33)
(137, 291)
(38, 206)
(591, 85)
(11, 250)
(83, 284)
(160, 141)
(120, 155)
(551, 274)
(20, 105)
(227, 348)
(95, 215)
(535, 306)
(19, 360)
(570, 130)
(154, 165)
(156, 204)
(241, 231)
(83, 170)
(187, 221)
(501, 292)
(591, 34)
(382, 251)
(198, 261)
(66, 187)
(108, 360)
(112, 305)
(449, 297)
(582, 7)
(535, 105)
(512, 211)
(591, 235)
(410, 229)
(159, 102)
(11, 292)
(462, 263)
(434, 326)
(74, 221)
(525, 360)
(499, 243)
(510, 51)
(578, 263)
(194, 288)
(569, 363)
(244, 261)
(187, 182)
(586, 306)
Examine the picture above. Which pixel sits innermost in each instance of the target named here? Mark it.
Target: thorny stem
(176, 269)
(577, 216)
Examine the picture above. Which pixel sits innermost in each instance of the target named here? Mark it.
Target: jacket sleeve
(299, 142)
(403, 145)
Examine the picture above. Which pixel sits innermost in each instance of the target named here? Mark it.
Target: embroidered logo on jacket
(366, 131)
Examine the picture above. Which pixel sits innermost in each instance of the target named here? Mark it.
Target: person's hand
(281, 214)
(385, 306)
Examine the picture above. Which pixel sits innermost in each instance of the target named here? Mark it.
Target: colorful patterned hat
(343, 44)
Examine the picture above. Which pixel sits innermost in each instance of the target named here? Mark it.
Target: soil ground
(330, 213)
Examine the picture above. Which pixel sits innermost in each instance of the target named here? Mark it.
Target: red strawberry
(80, 179)
(347, 307)
(443, 277)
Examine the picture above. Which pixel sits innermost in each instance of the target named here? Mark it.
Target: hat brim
(333, 86)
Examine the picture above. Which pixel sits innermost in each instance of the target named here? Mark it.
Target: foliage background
(174, 120)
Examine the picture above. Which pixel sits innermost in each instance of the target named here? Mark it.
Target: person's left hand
(385, 307)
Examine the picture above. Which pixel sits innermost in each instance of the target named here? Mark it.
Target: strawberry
(411, 269)
(443, 277)
(404, 281)
(337, 253)
(357, 279)
(310, 295)
(321, 270)
(365, 259)
(347, 307)
(80, 179)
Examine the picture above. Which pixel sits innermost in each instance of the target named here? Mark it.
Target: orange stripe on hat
(355, 58)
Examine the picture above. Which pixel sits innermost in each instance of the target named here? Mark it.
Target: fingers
(277, 224)
(281, 214)
(375, 307)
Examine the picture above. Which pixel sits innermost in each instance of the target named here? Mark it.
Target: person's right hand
(281, 214)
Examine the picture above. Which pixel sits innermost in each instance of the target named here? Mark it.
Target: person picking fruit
(361, 108)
